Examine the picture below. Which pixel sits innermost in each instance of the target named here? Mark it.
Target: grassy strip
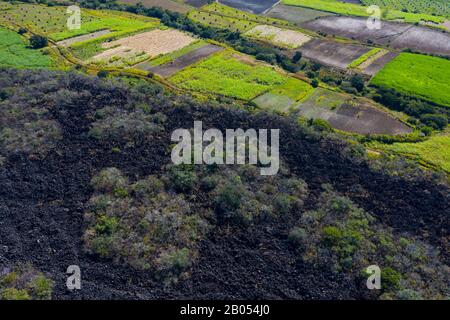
(361, 11)
(417, 75)
(15, 53)
(363, 58)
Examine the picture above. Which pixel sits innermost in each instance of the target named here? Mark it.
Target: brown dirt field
(165, 4)
(153, 43)
(334, 54)
(169, 69)
(394, 34)
(295, 15)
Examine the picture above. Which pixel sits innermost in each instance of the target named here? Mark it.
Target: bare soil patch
(394, 34)
(153, 43)
(334, 54)
(295, 15)
(283, 37)
(170, 68)
(254, 6)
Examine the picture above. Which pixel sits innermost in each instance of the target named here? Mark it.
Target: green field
(437, 7)
(14, 52)
(363, 58)
(224, 74)
(414, 74)
(221, 9)
(285, 96)
(359, 10)
(434, 151)
(218, 21)
(221, 16)
(52, 21)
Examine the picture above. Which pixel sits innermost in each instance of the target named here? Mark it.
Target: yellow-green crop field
(419, 75)
(352, 9)
(225, 74)
(52, 20)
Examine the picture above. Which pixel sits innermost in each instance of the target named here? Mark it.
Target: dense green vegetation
(423, 76)
(14, 52)
(25, 283)
(434, 152)
(224, 74)
(358, 10)
(434, 7)
(340, 232)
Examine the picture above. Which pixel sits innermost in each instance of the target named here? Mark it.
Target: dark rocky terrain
(43, 198)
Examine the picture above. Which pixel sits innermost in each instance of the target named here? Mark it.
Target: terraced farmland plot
(218, 21)
(144, 45)
(437, 7)
(334, 54)
(224, 74)
(393, 34)
(295, 15)
(52, 21)
(375, 66)
(15, 53)
(350, 114)
(285, 96)
(281, 37)
(352, 9)
(255, 6)
(170, 68)
(171, 5)
(414, 74)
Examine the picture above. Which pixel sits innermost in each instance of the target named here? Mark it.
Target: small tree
(357, 82)
(297, 57)
(38, 42)
(315, 83)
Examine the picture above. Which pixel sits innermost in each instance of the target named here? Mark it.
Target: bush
(357, 82)
(297, 236)
(314, 83)
(102, 74)
(390, 279)
(183, 178)
(109, 180)
(38, 42)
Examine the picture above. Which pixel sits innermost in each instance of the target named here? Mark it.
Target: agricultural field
(172, 5)
(334, 54)
(373, 65)
(224, 73)
(15, 53)
(418, 75)
(281, 37)
(285, 96)
(436, 7)
(434, 152)
(366, 58)
(52, 21)
(295, 15)
(254, 6)
(228, 11)
(393, 34)
(350, 114)
(173, 66)
(223, 22)
(220, 16)
(352, 9)
(133, 49)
